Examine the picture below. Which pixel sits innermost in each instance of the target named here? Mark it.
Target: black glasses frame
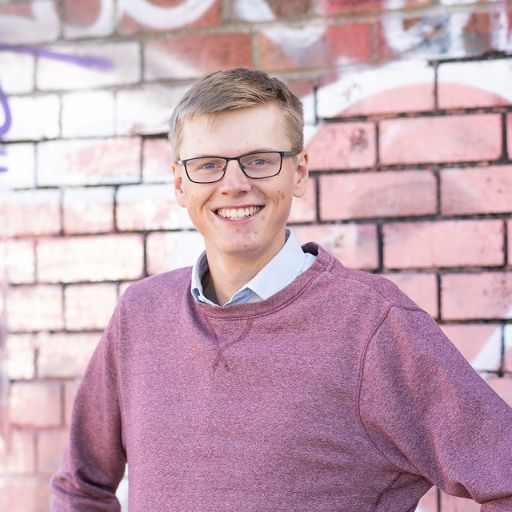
(282, 154)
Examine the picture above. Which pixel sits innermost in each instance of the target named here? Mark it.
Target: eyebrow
(257, 150)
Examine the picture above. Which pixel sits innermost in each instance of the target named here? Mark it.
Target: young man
(269, 377)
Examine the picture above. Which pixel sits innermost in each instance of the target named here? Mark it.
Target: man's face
(259, 236)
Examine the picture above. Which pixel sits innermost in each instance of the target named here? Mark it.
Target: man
(269, 377)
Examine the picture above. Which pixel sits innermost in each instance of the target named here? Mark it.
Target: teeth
(238, 213)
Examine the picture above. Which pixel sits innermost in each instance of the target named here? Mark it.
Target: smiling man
(269, 377)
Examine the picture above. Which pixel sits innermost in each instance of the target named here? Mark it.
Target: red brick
(146, 207)
(441, 139)
(146, 109)
(21, 356)
(20, 162)
(330, 7)
(502, 386)
(342, 146)
(50, 448)
(274, 9)
(480, 344)
(70, 390)
(157, 16)
(17, 260)
(89, 306)
(509, 236)
(443, 244)
(332, 45)
(461, 83)
(88, 210)
(508, 348)
(86, 18)
(35, 404)
(304, 208)
(509, 135)
(354, 245)
(167, 251)
(31, 212)
(421, 288)
(17, 453)
(484, 295)
(34, 117)
(157, 158)
(24, 493)
(194, 56)
(121, 66)
(396, 87)
(382, 194)
(34, 307)
(94, 258)
(65, 355)
(89, 162)
(89, 113)
(476, 190)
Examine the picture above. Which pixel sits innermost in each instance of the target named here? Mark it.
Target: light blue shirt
(279, 272)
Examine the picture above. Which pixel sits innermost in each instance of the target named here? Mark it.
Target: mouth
(238, 213)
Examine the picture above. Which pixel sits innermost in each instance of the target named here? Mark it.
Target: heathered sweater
(337, 394)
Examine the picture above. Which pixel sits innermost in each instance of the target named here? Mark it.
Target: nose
(234, 180)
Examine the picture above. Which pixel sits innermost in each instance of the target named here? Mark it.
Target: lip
(238, 221)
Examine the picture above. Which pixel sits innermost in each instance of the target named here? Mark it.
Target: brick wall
(409, 125)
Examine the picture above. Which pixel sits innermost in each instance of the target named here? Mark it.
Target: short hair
(234, 89)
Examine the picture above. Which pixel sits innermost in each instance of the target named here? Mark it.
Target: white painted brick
(123, 68)
(146, 109)
(20, 356)
(88, 114)
(103, 24)
(157, 159)
(17, 261)
(34, 117)
(16, 72)
(19, 159)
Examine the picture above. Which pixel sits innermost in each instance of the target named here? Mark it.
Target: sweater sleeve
(94, 459)
(429, 413)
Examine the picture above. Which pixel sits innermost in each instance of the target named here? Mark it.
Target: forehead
(233, 133)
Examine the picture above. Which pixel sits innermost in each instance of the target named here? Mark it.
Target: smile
(238, 213)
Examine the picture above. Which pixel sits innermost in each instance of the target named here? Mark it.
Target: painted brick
(120, 65)
(316, 46)
(16, 72)
(89, 162)
(304, 208)
(19, 159)
(459, 82)
(194, 56)
(396, 87)
(31, 212)
(154, 16)
(443, 244)
(34, 308)
(65, 355)
(17, 455)
(167, 251)
(24, 493)
(157, 158)
(509, 236)
(476, 190)
(35, 404)
(342, 146)
(484, 295)
(382, 194)
(503, 387)
(88, 114)
(50, 448)
(480, 344)
(354, 245)
(21, 356)
(441, 139)
(88, 210)
(89, 306)
(146, 207)
(274, 9)
(421, 288)
(508, 348)
(86, 19)
(19, 265)
(146, 109)
(91, 258)
(509, 135)
(70, 390)
(34, 117)
(342, 6)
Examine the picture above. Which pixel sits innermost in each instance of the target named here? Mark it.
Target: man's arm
(429, 413)
(94, 459)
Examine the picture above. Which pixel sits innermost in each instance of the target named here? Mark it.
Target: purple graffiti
(4, 128)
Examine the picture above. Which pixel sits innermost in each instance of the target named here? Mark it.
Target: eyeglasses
(209, 169)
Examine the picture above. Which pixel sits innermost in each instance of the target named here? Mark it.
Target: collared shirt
(278, 273)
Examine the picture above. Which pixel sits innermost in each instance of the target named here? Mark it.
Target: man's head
(235, 89)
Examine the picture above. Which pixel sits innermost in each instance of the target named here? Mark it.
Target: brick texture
(304, 208)
(509, 135)
(17, 454)
(503, 387)
(20, 78)
(383, 194)
(50, 445)
(21, 356)
(24, 493)
(157, 158)
(21, 167)
(508, 348)
(17, 259)
(35, 404)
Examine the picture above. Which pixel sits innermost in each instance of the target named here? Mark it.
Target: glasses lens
(204, 170)
(261, 165)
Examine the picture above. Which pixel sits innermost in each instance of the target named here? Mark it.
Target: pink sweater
(336, 394)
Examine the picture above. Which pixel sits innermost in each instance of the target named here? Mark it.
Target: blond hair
(234, 89)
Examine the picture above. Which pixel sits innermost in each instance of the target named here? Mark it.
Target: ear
(178, 184)
(301, 174)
